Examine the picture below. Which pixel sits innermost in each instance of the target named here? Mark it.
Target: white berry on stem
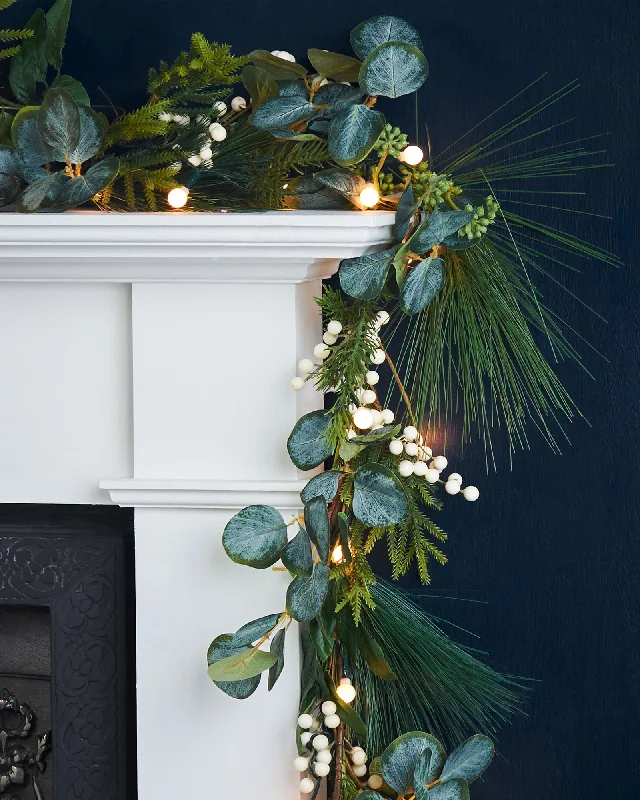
(321, 770)
(452, 487)
(388, 416)
(306, 365)
(405, 468)
(410, 433)
(329, 338)
(238, 104)
(396, 447)
(372, 377)
(320, 742)
(301, 764)
(297, 383)
(411, 449)
(334, 327)
(360, 771)
(378, 357)
(440, 463)
(432, 476)
(321, 351)
(306, 786)
(471, 493)
(324, 756)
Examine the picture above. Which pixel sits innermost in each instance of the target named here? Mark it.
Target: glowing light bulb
(363, 419)
(346, 691)
(369, 196)
(336, 555)
(178, 197)
(411, 155)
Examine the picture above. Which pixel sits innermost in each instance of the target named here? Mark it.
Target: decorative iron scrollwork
(19, 765)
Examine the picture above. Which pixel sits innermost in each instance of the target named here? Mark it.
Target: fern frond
(9, 35)
(143, 123)
(8, 52)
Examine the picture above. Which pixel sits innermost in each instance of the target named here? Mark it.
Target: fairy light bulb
(369, 196)
(363, 419)
(412, 155)
(346, 690)
(177, 198)
(336, 556)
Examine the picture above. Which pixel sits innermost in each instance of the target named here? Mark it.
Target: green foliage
(378, 499)
(401, 757)
(255, 536)
(316, 521)
(306, 595)
(323, 485)
(308, 444)
(143, 123)
(421, 285)
(353, 133)
(297, 556)
(393, 69)
(364, 277)
(375, 31)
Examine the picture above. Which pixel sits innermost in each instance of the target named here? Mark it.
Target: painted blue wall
(550, 555)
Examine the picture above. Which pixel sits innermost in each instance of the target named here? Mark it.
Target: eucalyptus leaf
(376, 31)
(5, 128)
(90, 136)
(221, 647)
(407, 207)
(277, 648)
(27, 138)
(280, 69)
(254, 630)
(421, 285)
(34, 195)
(81, 189)
(297, 556)
(323, 485)
(378, 435)
(437, 228)
(74, 87)
(292, 89)
(372, 653)
(241, 666)
(311, 194)
(59, 123)
(429, 765)
(364, 276)
(348, 450)
(455, 789)
(394, 69)
(29, 66)
(281, 112)
(9, 176)
(322, 644)
(337, 96)
(353, 132)
(343, 181)
(260, 85)
(286, 133)
(369, 794)
(305, 596)
(308, 444)
(469, 760)
(316, 520)
(378, 498)
(334, 65)
(57, 24)
(401, 757)
(255, 536)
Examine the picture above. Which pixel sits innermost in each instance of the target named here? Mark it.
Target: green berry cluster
(428, 186)
(386, 182)
(391, 141)
(484, 216)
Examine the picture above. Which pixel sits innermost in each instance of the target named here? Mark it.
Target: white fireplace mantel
(146, 361)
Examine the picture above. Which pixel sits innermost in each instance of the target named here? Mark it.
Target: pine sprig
(143, 123)
(358, 575)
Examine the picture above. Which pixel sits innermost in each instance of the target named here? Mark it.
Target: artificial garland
(453, 286)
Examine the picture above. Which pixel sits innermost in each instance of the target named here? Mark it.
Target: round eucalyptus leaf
(378, 498)
(429, 766)
(421, 285)
(337, 96)
(378, 435)
(74, 87)
(9, 175)
(59, 123)
(254, 630)
(255, 536)
(469, 760)
(281, 112)
(297, 556)
(221, 647)
(316, 520)
(373, 32)
(364, 276)
(455, 789)
(82, 188)
(437, 227)
(400, 759)
(31, 147)
(90, 136)
(323, 485)
(37, 192)
(334, 65)
(407, 207)
(394, 69)
(353, 133)
(240, 666)
(277, 647)
(343, 181)
(308, 444)
(305, 596)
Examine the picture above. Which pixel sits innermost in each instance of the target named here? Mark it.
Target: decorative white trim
(260, 247)
(176, 493)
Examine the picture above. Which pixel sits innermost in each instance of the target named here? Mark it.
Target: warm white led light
(369, 196)
(412, 155)
(178, 197)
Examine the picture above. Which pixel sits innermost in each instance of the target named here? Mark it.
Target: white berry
(358, 757)
(372, 377)
(220, 108)
(396, 447)
(297, 383)
(411, 449)
(377, 416)
(360, 771)
(324, 756)
(321, 769)
(195, 160)
(378, 357)
(432, 476)
(332, 721)
(329, 338)
(382, 318)
(388, 416)
(238, 104)
(285, 56)
(334, 327)
(301, 764)
(375, 782)
(305, 737)
(440, 463)
(206, 153)
(165, 117)
(455, 477)
(321, 351)
(471, 493)
(306, 365)
(405, 468)
(420, 469)
(410, 433)
(320, 742)
(369, 397)
(218, 134)
(452, 487)
(305, 721)
(306, 786)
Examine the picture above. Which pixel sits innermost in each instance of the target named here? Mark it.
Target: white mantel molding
(141, 493)
(265, 247)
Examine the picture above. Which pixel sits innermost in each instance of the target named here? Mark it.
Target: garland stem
(400, 385)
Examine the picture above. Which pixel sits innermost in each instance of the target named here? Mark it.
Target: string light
(411, 155)
(363, 419)
(369, 196)
(337, 556)
(177, 198)
(346, 690)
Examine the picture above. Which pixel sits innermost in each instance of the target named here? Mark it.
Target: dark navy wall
(550, 554)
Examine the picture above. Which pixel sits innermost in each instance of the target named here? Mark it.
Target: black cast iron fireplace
(67, 666)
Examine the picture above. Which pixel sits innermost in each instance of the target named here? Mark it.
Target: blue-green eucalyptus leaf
(29, 66)
(438, 226)
(407, 207)
(35, 194)
(311, 194)
(297, 556)
(394, 69)
(57, 24)
(455, 789)
(337, 96)
(364, 276)
(373, 32)
(90, 137)
(334, 65)
(353, 133)
(81, 189)
(254, 630)
(221, 647)
(323, 485)
(308, 444)
(277, 648)
(429, 766)
(9, 176)
(305, 596)
(343, 181)
(31, 147)
(255, 536)
(59, 123)
(281, 112)
(281, 69)
(348, 451)
(292, 89)
(401, 757)
(378, 435)
(378, 498)
(260, 85)
(246, 664)
(369, 794)
(421, 285)
(316, 520)
(469, 760)
(74, 87)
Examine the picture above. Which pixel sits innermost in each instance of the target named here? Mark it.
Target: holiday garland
(451, 295)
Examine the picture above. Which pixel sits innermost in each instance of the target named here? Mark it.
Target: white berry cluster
(358, 759)
(321, 351)
(425, 465)
(283, 55)
(317, 744)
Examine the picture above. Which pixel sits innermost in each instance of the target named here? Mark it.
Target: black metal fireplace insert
(67, 653)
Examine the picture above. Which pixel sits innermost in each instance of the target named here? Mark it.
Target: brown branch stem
(400, 386)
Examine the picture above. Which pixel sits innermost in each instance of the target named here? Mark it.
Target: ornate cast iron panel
(20, 765)
(75, 563)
